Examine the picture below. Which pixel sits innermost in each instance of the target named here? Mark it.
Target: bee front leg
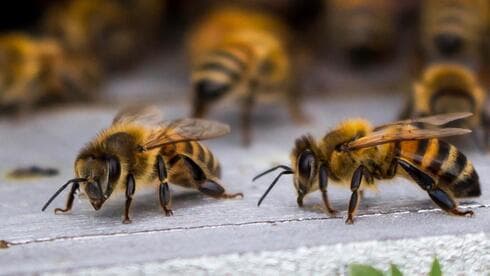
(486, 130)
(164, 191)
(323, 183)
(439, 196)
(69, 201)
(294, 105)
(246, 118)
(354, 187)
(130, 188)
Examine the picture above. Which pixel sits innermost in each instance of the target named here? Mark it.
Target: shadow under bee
(147, 205)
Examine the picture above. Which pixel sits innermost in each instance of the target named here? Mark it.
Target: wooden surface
(44, 242)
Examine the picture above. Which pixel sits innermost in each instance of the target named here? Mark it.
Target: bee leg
(354, 187)
(69, 201)
(130, 188)
(164, 190)
(486, 130)
(447, 203)
(246, 115)
(407, 110)
(213, 189)
(199, 107)
(295, 111)
(439, 196)
(323, 183)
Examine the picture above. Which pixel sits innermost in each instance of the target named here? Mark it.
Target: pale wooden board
(203, 226)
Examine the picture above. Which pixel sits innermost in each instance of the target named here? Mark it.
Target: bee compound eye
(114, 169)
(306, 162)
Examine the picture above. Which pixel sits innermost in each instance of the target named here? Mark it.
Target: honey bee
(453, 30)
(242, 55)
(115, 31)
(446, 88)
(363, 30)
(140, 149)
(34, 72)
(357, 155)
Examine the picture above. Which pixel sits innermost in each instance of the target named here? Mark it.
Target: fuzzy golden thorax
(341, 164)
(110, 157)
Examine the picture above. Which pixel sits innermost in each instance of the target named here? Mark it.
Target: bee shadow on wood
(372, 206)
(147, 204)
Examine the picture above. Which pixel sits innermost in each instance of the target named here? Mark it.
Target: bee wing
(144, 115)
(389, 135)
(185, 130)
(435, 120)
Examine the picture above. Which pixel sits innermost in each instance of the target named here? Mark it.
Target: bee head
(306, 166)
(307, 169)
(101, 175)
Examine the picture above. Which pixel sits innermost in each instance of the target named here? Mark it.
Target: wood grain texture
(200, 225)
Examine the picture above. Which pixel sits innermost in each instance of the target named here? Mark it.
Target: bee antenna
(74, 180)
(272, 185)
(271, 170)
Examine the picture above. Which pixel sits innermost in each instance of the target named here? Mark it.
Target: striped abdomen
(453, 24)
(444, 161)
(219, 71)
(200, 155)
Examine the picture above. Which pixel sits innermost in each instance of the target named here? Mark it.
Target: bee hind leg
(130, 188)
(213, 189)
(69, 202)
(164, 190)
(439, 196)
(447, 203)
(246, 118)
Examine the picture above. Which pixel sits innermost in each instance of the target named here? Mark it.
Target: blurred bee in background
(356, 155)
(453, 30)
(36, 72)
(139, 148)
(364, 31)
(445, 88)
(115, 31)
(239, 54)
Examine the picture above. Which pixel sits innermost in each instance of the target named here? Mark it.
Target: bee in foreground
(242, 55)
(448, 88)
(140, 149)
(355, 153)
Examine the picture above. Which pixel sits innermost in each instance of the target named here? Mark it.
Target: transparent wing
(185, 130)
(144, 115)
(394, 134)
(435, 120)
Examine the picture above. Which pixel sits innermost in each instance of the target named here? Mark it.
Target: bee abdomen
(219, 71)
(444, 161)
(202, 155)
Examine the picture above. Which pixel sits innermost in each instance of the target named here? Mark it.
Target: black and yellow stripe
(444, 161)
(218, 72)
(452, 24)
(197, 152)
